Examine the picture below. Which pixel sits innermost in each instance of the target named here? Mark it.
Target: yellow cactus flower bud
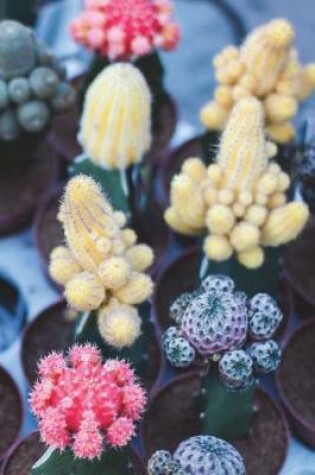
(239, 92)
(214, 172)
(188, 201)
(63, 265)
(223, 95)
(245, 198)
(252, 258)
(256, 215)
(283, 182)
(261, 199)
(194, 168)
(225, 197)
(284, 224)
(267, 184)
(276, 200)
(114, 272)
(220, 219)
(274, 169)
(238, 209)
(85, 292)
(271, 149)
(244, 236)
(120, 218)
(217, 248)
(175, 222)
(137, 290)
(129, 237)
(119, 324)
(116, 121)
(281, 133)
(213, 116)
(140, 257)
(279, 108)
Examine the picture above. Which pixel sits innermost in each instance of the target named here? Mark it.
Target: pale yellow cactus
(116, 121)
(265, 66)
(102, 263)
(239, 201)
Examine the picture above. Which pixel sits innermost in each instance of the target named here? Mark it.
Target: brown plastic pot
(173, 416)
(11, 412)
(22, 186)
(296, 381)
(182, 275)
(299, 269)
(50, 331)
(23, 456)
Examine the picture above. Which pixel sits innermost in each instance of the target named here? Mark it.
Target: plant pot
(182, 275)
(174, 415)
(299, 269)
(296, 381)
(11, 412)
(22, 185)
(50, 331)
(23, 456)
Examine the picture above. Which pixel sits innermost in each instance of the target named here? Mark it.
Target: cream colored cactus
(101, 265)
(116, 121)
(265, 66)
(240, 200)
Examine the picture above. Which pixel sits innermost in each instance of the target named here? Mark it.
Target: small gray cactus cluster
(33, 85)
(199, 455)
(223, 325)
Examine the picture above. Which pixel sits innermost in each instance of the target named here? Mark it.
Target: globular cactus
(198, 455)
(215, 323)
(32, 84)
(126, 29)
(116, 130)
(101, 267)
(266, 66)
(240, 200)
(266, 356)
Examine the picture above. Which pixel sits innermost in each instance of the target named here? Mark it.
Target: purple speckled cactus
(199, 455)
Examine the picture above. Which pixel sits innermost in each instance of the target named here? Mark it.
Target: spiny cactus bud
(116, 131)
(221, 283)
(44, 82)
(119, 324)
(236, 369)
(265, 317)
(84, 292)
(205, 454)
(266, 356)
(19, 90)
(33, 116)
(178, 307)
(179, 351)
(159, 463)
(63, 265)
(17, 55)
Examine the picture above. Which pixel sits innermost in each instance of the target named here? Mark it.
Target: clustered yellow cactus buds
(265, 66)
(240, 200)
(101, 266)
(116, 121)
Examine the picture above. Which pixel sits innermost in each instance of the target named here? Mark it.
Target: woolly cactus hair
(126, 29)
(236, 370)
(116, 129)
(266, 356)
(205, 454)
(109, 408)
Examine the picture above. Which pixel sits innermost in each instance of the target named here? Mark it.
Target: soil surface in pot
(24, 456)
(296, 374)
(264, 451)
(22, 186)
(10, 412)
(50, 331)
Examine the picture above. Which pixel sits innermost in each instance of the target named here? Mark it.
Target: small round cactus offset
(199, 455)
(219, 324)
(101, 267)
(32, 83)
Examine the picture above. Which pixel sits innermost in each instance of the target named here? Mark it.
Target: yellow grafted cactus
(116, 121)
(101, 265)
(265, 66)
(239, 201)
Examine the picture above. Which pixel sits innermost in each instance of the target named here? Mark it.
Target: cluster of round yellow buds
(265, 66)
(101, 266)
(240, 200)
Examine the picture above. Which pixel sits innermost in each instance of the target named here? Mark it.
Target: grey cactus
(218, 282)
(263, 325)
(162, 463)
(236, 369)
(179, 306)
(178, 350)
(266, 356)
(32, 83)
(204, 454)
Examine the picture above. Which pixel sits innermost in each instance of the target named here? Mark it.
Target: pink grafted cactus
(84, 404)
(126, 29)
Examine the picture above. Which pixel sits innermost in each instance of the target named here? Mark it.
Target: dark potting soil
(49, 230)
(10, 412)
(25, 455)
(297, 373)
(50, 331)
(265, 449)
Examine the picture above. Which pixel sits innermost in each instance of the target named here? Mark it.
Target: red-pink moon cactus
(84, 404)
